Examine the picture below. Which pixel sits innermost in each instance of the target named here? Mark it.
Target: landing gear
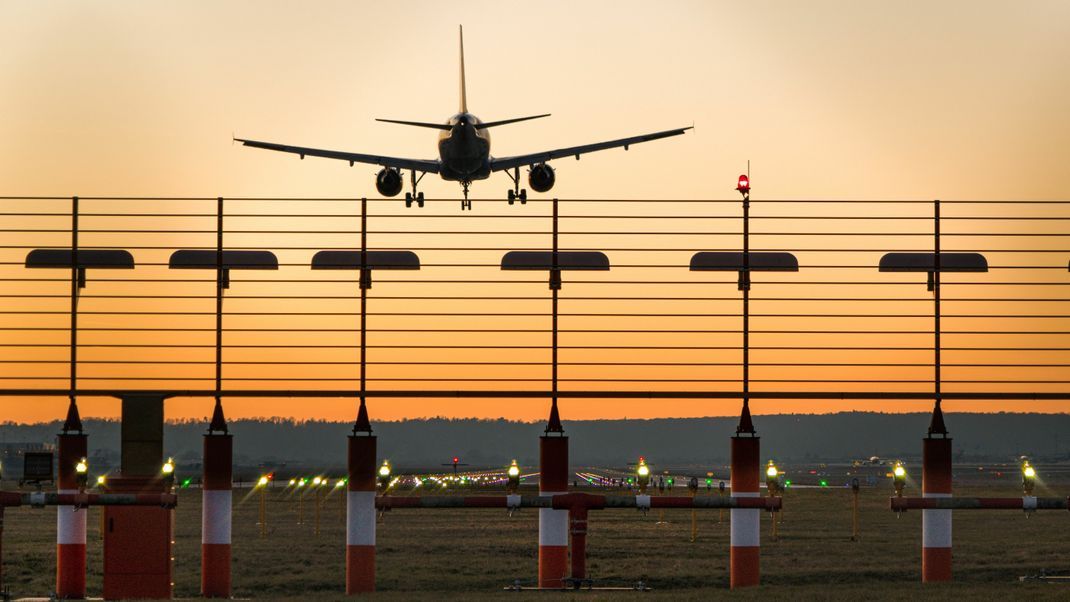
(465, 202)
(414, 196)
(517, 192)
(409, 198)
(522, 196)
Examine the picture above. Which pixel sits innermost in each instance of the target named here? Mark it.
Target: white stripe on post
(745, 523)
(553, 525)
(360, 523)
(215, 517)
(70, 522)
(936, 525)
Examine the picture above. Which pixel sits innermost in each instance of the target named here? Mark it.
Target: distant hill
(430, 442)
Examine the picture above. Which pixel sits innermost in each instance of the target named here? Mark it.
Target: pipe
(1028, 503)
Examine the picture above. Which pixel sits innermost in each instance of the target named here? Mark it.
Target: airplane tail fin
(464, 95)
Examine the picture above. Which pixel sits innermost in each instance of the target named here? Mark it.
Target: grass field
(462, 554)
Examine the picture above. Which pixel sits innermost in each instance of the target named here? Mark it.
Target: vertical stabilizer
(464, 95)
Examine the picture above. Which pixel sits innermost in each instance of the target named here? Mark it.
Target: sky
(827, 100)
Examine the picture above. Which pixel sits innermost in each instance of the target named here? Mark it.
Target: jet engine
(541, 177)
(388, 181)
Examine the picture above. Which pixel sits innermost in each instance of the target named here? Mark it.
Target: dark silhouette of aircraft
(464, 155)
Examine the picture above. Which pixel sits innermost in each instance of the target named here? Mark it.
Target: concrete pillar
(217, 498)
(553, 524)
(70, 522)
(360, 514)
(745, 523)
(936, 524)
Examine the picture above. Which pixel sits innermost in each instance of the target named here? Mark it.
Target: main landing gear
(517, 192)
(414, 196)
(466, 203)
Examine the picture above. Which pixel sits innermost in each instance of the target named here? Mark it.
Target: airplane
(464, 154)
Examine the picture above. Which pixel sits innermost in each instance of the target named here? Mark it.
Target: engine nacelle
(388, 181)
(541, 177)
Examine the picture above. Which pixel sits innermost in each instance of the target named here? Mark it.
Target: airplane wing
(430, 166)
(501, 163)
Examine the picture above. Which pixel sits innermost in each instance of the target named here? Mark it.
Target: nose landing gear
(465, 202)
(517, 192)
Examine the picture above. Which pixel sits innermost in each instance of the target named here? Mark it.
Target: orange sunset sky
(828, 100)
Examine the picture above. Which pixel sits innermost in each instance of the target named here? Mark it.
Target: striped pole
(70, 521)
(553, 524)
(936, 524)
(216, 515)
(360, 514)
(745, 537)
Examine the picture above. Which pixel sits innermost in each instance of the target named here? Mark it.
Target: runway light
(101, 480)
(293, 482)
(824, 483)
(772, 478)
(302, 482)
(339, 483)
(186, 482)
(262, 481)
(168, 470)
(642, 473)
(1029, 478)
(514, 477)
(899, 478)
(316, 481)
(384, 474)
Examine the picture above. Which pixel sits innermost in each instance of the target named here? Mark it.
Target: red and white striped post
(936, 524)
(553, 524)
(745, 522)
(360, 508)
(216, 509)
(70, 522)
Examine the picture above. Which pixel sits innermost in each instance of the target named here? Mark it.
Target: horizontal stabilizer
(419, 124)
(491, 124)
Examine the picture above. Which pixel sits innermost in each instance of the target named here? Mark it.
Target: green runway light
(186, 482)
(824, 483)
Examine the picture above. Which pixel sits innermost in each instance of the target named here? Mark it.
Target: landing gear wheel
(419, 199)
(523, 196)
(511, 196)
(408, 199)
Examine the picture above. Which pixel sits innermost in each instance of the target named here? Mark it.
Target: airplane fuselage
(464, 149)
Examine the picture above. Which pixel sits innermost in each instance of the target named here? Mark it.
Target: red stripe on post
(362, 463)
(745, 563)
(360, 569)
(70, 555)
(215, 570)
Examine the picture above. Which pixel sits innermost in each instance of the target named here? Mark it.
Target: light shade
(377, 260)
(87, 258)
(926, 262)
(566, 260)
(204, 259)
(730, 261)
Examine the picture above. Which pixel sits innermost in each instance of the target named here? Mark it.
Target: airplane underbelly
(464, 162)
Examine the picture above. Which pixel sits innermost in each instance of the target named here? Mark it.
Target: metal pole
(318, 504)
(365, 281)
(854, 514)
(219, 299)
(263, 511)
(75, 282)
(555, 285)
(936, 314)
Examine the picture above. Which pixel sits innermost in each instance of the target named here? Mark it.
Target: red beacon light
(456, 459)
(743, 185)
